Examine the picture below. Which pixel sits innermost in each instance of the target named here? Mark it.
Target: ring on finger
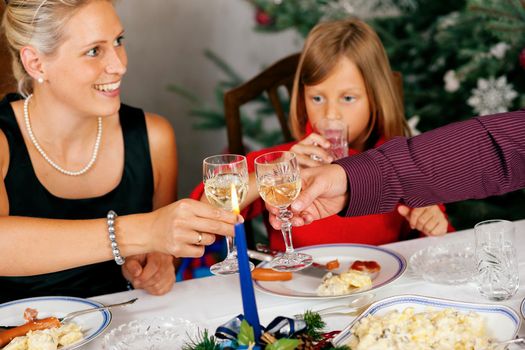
(199, 239)
(316, 158)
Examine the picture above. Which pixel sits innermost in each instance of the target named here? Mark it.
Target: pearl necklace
(46, 157)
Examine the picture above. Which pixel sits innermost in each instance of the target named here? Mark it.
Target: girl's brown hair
(352, 38)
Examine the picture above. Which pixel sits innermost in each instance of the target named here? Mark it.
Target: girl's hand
(312, 151)
(153, 272)
(431, 221)
(184, 228)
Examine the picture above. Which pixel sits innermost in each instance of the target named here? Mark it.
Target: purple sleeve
(477, 158)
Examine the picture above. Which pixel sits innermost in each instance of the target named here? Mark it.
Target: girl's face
(342, 95)
(86, 71)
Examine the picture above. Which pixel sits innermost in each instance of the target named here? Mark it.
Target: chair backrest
(281, 73)
(7, 80)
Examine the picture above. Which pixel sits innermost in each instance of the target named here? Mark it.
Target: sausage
(8, 335)
(265, 274)
(333, 264)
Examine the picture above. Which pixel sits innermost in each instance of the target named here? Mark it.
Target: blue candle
(247, 292)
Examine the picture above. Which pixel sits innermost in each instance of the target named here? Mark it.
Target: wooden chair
(7, 80)
(281, 73)
(270, 80)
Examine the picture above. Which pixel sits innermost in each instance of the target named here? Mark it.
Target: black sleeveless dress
(28, 197)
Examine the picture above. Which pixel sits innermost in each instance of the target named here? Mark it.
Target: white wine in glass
(279, 184)
(220, 172)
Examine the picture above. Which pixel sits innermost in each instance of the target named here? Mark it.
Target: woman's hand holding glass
(279, 184)
(219, 173)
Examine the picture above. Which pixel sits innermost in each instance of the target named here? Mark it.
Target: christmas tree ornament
(263, 18)
(522, 58)
(492, 96)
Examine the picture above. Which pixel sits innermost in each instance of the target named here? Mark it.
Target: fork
(356, 305)
(503, 345)
(74, 314)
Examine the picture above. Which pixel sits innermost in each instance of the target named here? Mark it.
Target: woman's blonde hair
(352, 38)
(37, 23)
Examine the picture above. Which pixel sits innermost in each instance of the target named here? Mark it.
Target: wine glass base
(227, 267)
(291, 262)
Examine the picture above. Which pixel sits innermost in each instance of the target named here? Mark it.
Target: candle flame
(235, 200)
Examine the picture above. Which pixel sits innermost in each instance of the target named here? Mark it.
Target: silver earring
(40, 80)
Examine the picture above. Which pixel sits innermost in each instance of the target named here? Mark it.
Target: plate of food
(361, 269)
(419, 322)
(155, 333)
(79, 331)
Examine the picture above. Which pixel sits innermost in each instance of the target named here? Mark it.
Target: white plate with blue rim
(92, 324)
(501, 322)
(304, 286)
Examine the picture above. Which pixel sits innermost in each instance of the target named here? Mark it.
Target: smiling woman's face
(342, 95)
(86, 71)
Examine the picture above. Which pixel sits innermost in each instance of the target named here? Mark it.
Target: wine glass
(219, 173)
(279, 183)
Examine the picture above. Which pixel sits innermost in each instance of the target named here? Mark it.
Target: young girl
(344, 73)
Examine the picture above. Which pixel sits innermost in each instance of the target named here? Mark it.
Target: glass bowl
(451, 263)
(160, 333)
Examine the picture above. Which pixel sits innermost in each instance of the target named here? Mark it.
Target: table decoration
(247, 292)
(245, 331)
(283, 333)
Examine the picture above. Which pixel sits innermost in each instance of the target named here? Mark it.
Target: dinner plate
(445, 263)
(92, 324)
(160, 333)
(522, 308)
(502, 322)
(304, 286)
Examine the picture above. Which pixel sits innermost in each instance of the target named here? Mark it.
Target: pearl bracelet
(112, 216)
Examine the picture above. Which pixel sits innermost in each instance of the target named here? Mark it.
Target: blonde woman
(87, 183)
(344, 74)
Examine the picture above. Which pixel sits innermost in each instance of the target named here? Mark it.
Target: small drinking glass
(497, 263)
(219, 173)
(334, 131)
(279, 184)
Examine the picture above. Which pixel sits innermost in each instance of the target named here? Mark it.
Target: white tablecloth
(213, 300)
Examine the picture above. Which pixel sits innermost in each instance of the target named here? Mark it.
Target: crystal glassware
(334, 131)
(279, 184)
(496, 259)
(219, 173)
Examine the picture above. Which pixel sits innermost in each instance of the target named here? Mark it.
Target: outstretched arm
(477, 158)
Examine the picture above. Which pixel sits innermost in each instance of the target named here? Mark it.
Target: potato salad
(47, 339)
(432, 329)
(344, 283)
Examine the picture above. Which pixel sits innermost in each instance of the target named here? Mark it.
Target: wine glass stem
(286, 228)
(230, 246)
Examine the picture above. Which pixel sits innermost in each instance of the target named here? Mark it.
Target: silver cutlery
(74, 314)
(315, 270)
(503, 345)
(355, 306)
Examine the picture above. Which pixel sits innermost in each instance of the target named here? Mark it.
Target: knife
(316, 270)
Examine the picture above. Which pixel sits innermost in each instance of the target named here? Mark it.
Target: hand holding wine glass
(279, 183)
(220, 172)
